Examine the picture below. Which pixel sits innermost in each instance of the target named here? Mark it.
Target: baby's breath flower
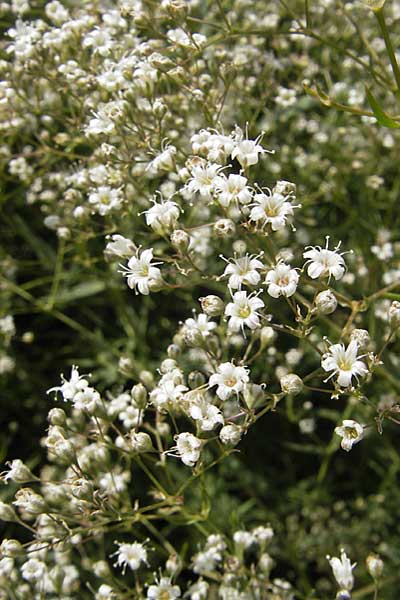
(130, 555)
(230, 379)
(324, 262)
(344, 363)
(351, 433)
(141, 272)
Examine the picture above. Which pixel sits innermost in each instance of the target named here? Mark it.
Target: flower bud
(394, 314)
(10, 548)
(374, 565)
(291, 384)
(180, 240)
(224, 227)
(7, 513)
(18, 472)
(173, 351)
(140, 441)
(374, 5)
(139, 395)
(168, 365)
(265, 563)
(125, 365)
(326, 302)
(147, 378)
(57, 416)
(196, 379)
(230, 434)
(212, 306)
(267, 336)
(361, 337)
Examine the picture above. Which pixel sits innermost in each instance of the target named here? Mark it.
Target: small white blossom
(230, 379)
(282, 281)
(324, 262)
(246, 151)
(204, 177)
(272, 208)
(342, 571)
(204, 412)
(351, 433)
(130, 555)
(243, 270)
(162, 216)
(141, 272)
(233, 188)
(344, 363)
(243, 311)
(163, 590)
(188, 448)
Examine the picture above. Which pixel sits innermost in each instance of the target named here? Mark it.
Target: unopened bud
(213, 306)
(394, 314)
(224, 227)
(7, 513)
(374, 565)
(139, 395)
(196, 379)
(141, 442)
(180, 240)
(361, 337)
(326, 302)
(57, 416)
(291, 384)
(230, 434)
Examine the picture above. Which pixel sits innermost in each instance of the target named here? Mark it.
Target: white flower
(130, 555)
(232, 189)
(168, 394)
(87, 399)
(105, 199)
(344, 363)
(188, 447)
(203, 178)
(163, 590)
(323, 261)
(243, 270)
(165, 161)
(33, 570)
(247, 151)
(162, 216)
(282, 281)
(119, 246)
(17, 472)
(272, 208)
(351, 433)
(342, 571)
(198, 591)
(114, 482)
(141, 272)
(69, 388)
(230, 379)
(206, 414)
(243, 311)
(201, 324)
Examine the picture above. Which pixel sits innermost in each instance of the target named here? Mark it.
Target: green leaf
(82, 290)
(383, 118)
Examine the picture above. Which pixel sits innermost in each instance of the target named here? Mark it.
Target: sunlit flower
(230, 379)
(282, 281)
(243, 311)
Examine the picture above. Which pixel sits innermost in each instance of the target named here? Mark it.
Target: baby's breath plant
(210, 259)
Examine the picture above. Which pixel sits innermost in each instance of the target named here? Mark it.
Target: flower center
(230, 382)
(244, 311)
(351, 432)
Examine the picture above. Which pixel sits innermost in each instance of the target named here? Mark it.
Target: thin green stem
(386, 36)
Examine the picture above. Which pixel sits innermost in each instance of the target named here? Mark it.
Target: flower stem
(392, 57)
